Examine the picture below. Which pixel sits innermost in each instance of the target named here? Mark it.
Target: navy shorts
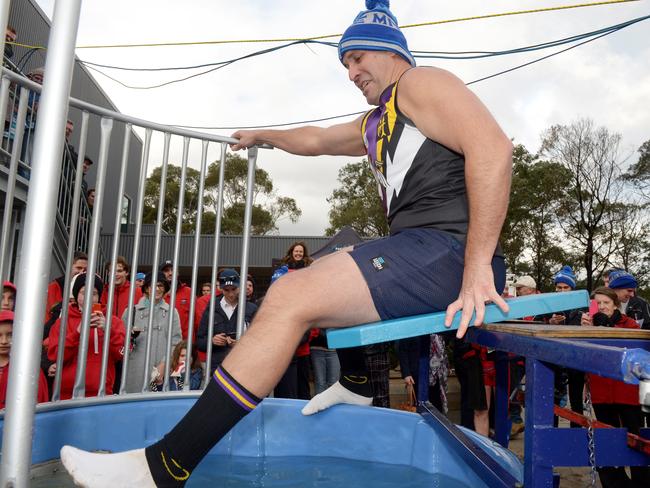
(415, 271)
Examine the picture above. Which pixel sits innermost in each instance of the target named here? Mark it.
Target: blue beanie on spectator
(375, 29)
(566, 276)
(279, 273)
(622, 279)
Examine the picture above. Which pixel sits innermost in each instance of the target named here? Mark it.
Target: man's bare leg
(331, 293)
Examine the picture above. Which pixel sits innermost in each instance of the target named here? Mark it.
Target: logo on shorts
(379, 263)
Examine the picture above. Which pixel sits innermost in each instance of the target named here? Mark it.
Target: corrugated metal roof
(263, 249)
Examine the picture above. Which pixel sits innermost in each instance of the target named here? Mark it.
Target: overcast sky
(607, 80)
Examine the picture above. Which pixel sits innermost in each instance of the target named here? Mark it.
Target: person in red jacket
(202, 303)
(122, 288)
(6, 331)
(120, 302)
(615, 403)
(183, 297)
(55, 288)
(95, 342)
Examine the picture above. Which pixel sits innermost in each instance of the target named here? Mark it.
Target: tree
(172, 192)
(639, 173)
(588, 213)
(530, 238)
(632, 251)
(356, 202)
(268, 207)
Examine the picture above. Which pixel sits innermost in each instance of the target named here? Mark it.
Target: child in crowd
(177, 370)
(8, 296)
(6, 332)
(95, 341)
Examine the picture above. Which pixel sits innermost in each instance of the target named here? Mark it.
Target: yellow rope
(291, 39)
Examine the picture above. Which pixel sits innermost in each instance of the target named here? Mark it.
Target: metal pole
(177, 247)
(4, 22)
(156, 259)
(195, 266)
(215, 259)
(114, 251)
(4, 99)
(79, 388)
(37, 245)
(248, 214)
(72, 239)
(136, 249)
(11, 184)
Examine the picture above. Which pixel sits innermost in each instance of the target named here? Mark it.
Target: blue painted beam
(617, 363)
(610, 446)
(433, 323)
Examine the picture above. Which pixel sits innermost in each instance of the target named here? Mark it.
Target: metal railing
(17, 145)
(48, 166)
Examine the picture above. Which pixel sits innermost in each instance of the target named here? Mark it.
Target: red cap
(9, 284)
(6, 316)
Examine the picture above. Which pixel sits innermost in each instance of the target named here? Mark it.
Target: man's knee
(286, 297)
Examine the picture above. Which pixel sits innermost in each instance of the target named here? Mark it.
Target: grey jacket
(137, 367)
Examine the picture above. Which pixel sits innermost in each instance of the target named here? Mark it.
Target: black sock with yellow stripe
(354, 372)
(223, 403)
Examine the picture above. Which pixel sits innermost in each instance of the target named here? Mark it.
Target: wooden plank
(544, 330)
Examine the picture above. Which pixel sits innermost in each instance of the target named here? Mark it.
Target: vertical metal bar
(195, 265)
(72, 238)
(5, 87)
(156, 259)
(539, 415)
(501, 396)
(11, 183)
(177, 247)
(114, 251)
(423, 369)
(215, 259)
(4, 21)
(136, 249)
(79, 388)
(248, 214)
(37, 244)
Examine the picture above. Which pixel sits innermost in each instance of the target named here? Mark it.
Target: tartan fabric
(378, 364)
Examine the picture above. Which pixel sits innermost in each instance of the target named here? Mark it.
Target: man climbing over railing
(443, 169)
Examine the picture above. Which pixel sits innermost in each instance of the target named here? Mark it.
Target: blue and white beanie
(566, 276)
(622, 279)
(375, 29)
(279, 273)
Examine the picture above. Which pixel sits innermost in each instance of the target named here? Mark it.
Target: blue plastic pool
(275, 431)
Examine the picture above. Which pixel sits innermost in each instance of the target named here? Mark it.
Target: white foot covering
(95, 470)
(336, 393)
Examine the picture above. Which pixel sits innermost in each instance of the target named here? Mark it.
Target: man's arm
(337, 140)
(445, 110)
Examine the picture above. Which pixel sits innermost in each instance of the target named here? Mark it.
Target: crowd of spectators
(615, 305)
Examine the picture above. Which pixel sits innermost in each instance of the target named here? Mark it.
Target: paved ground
(569, 477)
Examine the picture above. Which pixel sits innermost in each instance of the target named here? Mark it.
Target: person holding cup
(95, 340)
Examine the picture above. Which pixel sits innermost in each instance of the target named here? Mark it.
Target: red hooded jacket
(43, 394)
(182, 305)
(54, 295)
(606, 390)
(121, 297)
(94, 359)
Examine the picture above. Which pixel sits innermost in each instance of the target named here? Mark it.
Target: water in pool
(285, 472)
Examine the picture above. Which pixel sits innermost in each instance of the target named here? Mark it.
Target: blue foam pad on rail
(432, 323)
